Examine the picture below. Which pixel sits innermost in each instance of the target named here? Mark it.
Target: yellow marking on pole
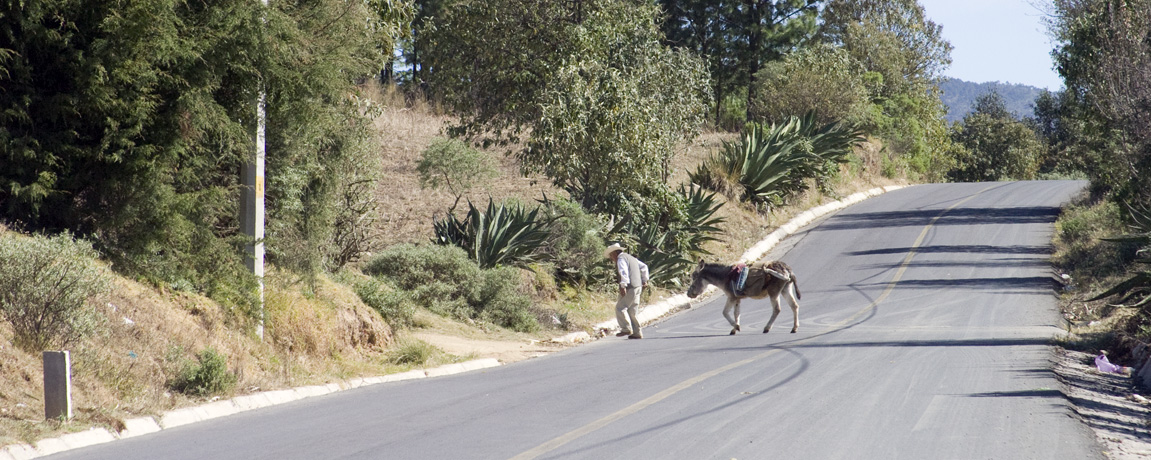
(570, 436)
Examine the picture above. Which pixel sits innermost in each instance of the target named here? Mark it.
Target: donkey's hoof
(737, 328)
(732, 332)
(766, 330)
(794, 329)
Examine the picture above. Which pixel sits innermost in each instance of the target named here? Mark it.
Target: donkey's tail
(795, 282)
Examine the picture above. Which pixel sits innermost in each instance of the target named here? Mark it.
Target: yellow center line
(666, 393)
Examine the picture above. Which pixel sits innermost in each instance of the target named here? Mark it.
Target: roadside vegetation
(433, 170)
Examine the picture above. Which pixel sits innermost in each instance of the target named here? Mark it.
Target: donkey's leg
(737, 303)
(775, 309)
(732, 304)
(794, 305)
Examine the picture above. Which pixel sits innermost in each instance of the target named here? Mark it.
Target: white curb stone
(477, 364)
(18, 452)
(404, 376)
(574, 337)
(139, 426)
(73, 441)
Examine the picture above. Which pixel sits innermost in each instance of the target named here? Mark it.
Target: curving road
(924, 330)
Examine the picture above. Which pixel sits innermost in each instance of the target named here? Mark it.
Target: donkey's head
(697, 281)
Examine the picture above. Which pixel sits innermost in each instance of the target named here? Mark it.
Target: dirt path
(1108, 403)
(504, 350)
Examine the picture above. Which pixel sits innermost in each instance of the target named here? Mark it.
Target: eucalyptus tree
(596, 102)
(126, 122)
(1103, 56)
(738, 37)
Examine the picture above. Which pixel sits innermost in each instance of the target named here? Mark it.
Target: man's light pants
(628, 302)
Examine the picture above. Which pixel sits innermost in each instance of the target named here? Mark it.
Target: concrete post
(252, 203)
(57, 385)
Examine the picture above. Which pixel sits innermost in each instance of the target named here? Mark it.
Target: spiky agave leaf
(507, 235)
(501, 235)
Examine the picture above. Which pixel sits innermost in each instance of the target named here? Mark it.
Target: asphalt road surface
(924, 333)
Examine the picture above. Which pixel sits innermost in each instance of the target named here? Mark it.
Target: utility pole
(252, 202)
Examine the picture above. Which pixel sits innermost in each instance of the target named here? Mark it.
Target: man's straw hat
(610, 249)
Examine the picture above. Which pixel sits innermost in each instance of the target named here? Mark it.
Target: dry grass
(312, 336)
(405, 130)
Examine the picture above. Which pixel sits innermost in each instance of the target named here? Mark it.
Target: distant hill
(960, 95)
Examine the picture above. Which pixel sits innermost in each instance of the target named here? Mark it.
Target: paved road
(925, 322)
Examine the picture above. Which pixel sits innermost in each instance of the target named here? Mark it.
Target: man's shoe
(635, 336)
(622, 333)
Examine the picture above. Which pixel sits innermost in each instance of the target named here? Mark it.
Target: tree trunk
(754, 43)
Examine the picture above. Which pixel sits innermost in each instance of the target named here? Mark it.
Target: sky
(996, 40)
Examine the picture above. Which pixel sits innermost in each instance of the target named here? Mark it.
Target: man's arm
(624, 276)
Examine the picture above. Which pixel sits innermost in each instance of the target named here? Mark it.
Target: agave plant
(702, 224)
(669, 244)
(770, 163)
(1136, 289)
(501, 235)
(665, 262)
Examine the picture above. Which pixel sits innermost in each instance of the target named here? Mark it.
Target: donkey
(776, 278)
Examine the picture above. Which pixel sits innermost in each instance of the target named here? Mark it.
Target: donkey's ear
(701, 262)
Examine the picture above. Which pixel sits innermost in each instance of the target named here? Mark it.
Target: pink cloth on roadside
(1104, 365)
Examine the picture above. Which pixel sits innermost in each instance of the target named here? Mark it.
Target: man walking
(632, 279)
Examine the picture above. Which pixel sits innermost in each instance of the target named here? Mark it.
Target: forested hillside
(959, 96)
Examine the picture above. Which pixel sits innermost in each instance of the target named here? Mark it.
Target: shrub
(1136, 289)
(206, 376)
(442, 279)
(45, 286)
(575, 242)
(392, 304)
(670, 242)
(413, 352)
(503, 303)
(822, 79)
(455, 165)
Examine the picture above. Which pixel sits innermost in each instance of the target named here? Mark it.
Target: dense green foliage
(599, 104)
(903, 54)
(1101, 125)
(444, 280)
(127, 122)
(603, 103)
(997, 145)
(47, 289)
(1103, 57)
(390, 302)
(822, 79)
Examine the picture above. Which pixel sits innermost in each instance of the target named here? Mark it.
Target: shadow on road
(962, 216)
